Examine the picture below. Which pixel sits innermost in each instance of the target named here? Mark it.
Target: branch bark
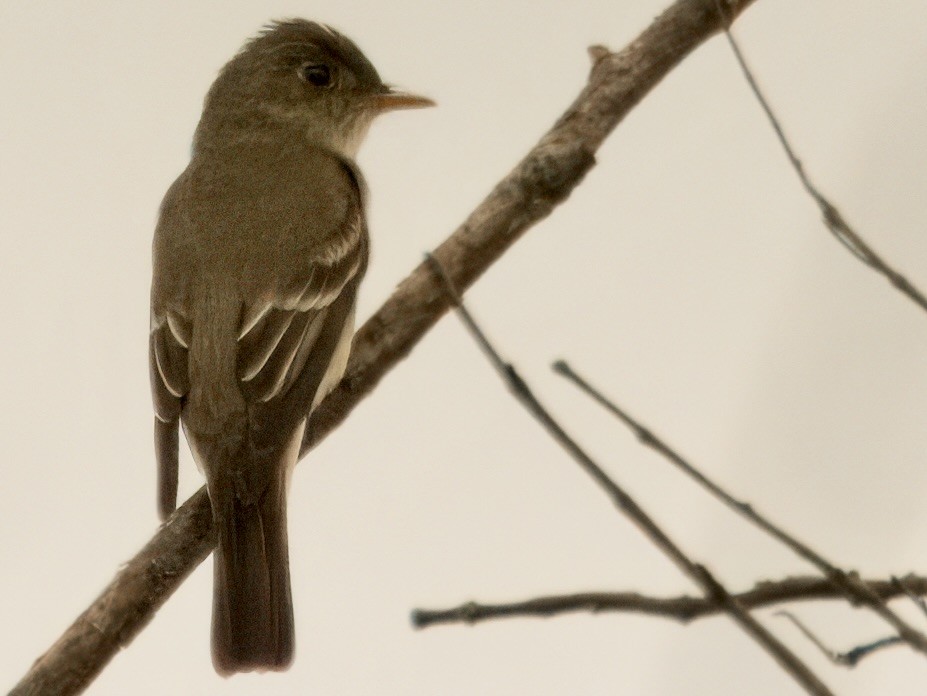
(684, 608)
(541, 181)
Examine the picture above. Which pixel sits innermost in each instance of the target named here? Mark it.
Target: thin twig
(833, 219)
(849, 658)
(537, 184)
(713, 590)
(683, 608)
(902, 584)
(848, 583)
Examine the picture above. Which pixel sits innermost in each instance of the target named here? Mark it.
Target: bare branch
(918, 600)
(833, 219)
(127, 604)
(683, 608)
(848, 583)
(542, 180)
(714, 591)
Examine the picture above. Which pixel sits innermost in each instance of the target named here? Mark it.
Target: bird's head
(304, 77)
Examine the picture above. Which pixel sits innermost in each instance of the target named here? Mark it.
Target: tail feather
(252, 606)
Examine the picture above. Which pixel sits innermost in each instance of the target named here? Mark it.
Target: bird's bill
(393, 99)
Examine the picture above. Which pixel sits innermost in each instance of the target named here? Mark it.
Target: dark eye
(316, 74)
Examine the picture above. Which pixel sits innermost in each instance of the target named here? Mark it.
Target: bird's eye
(316, 74)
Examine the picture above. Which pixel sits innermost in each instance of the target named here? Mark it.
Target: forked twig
(904, 584)
(850, 658)
(833, 219)
(848, 583)
(713, 590)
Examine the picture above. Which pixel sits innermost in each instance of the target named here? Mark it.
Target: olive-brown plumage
(258, 253)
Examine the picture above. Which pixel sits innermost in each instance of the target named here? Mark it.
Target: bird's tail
(252, 616)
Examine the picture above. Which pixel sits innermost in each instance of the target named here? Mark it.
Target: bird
(258, 252)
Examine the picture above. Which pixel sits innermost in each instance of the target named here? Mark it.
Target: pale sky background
(688, 275)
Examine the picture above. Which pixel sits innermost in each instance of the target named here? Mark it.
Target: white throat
(347, 144)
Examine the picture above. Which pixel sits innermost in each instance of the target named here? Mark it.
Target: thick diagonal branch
(543, 179)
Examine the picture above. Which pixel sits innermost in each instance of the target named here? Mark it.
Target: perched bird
(259, 249)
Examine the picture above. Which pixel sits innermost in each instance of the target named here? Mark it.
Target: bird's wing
(278, 334)
(168, 343)
(292, 346)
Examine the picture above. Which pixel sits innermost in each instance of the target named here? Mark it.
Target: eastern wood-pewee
(259, 249)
